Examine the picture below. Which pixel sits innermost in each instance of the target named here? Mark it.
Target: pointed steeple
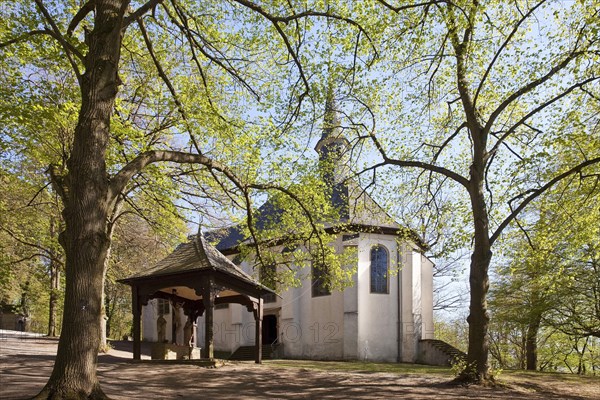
(333, 149)
(333, 143)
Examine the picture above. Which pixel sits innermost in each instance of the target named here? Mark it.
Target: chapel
(385, 315)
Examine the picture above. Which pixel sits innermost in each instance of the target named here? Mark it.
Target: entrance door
(269, 329)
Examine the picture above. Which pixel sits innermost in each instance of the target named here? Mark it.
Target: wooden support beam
(258, 317)
(208, 297)
(174, 317)
(137, 323)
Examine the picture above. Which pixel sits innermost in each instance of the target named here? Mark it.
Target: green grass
(361, 367)
(556, 376)
(543, 382)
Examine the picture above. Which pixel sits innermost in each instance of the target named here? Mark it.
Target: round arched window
(379, 269)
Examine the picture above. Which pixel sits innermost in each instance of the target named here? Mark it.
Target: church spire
(333, 145)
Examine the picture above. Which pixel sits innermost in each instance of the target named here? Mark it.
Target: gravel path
(26, 362)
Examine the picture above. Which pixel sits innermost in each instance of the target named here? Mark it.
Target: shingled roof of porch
(198, 276)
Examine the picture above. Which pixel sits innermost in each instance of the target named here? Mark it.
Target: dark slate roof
(226, 238)
(269, 213)
(346, 194)
(343, 199)
(195, 255)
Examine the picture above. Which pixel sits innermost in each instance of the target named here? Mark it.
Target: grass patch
(549, 376)
(361, 367)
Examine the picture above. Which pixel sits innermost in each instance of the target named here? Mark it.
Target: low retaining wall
(169, 351)
(437, 352)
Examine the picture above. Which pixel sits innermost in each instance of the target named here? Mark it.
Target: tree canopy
(151, 107)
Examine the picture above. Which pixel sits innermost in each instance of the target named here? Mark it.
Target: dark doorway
(269, 329)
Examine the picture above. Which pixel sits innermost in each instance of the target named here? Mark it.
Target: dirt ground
(26, 362)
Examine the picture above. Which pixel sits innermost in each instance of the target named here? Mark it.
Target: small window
(379, 270)
(164, 307)
(269, 298)
(319, 281)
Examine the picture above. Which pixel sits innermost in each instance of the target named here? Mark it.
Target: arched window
(379, 269)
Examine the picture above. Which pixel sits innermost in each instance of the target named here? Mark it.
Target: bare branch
(26, 35)
(539, 108)
(414, 164)
(70, 50)
(463, 84)
(45, 251)
(277, 20)
(410, 6)
(80, 15)
(422, 165)
(534, 193)
(140, 12)
(502, 47)
(304, 14)
(189, 33)
(529, 87)
(448, 140)
(167, 82)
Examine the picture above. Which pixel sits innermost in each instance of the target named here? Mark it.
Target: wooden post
(174, 317)
(137, 322)
(208, 298)
(258, 317)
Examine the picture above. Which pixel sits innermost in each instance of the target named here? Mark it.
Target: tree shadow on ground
(23, 373)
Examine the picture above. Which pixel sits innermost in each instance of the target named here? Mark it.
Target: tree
(550, 275)
(118, 140)
(477, 94)
(136, 246)
(31, 216)
(31, 260)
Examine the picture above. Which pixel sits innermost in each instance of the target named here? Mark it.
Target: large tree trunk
(85, 238)
(54, 293)
(103, 317)
(54, 288)
(531, 342)
(477, 369)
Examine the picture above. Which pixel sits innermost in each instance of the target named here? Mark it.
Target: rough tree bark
(477, 357)
(531, 342)
(54, 286)
(477, 369)
(85, 238)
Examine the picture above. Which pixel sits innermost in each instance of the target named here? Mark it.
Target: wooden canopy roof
(184, 268)
(197, 276)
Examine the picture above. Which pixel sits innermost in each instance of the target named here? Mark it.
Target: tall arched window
(379, 269)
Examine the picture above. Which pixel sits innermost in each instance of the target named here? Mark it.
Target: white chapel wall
(149, 323)
(353, 324)
(408, 347)
(377, 312)
(427, 330)
(350, 322)
(312, 327)
(233, 326)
